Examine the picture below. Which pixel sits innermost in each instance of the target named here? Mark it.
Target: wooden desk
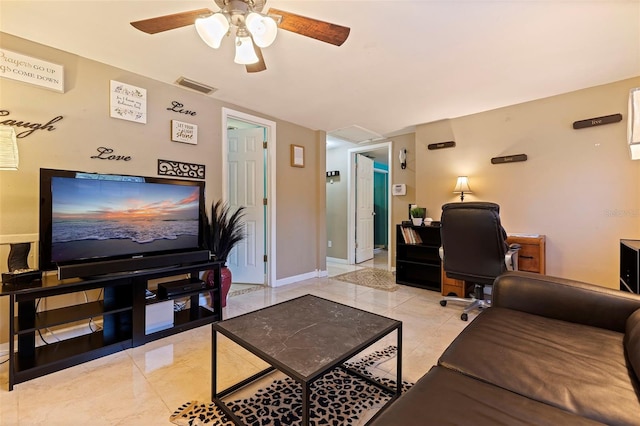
(531, 258)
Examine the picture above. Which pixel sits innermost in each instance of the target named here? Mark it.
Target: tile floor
(380, 257)
(144, 385)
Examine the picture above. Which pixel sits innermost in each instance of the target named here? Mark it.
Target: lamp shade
(633, 125)
(245, 54)
(8, 148)
(212, 29)
(263, 29)
(462, 185)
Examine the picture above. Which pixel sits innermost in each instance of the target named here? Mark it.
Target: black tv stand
(122, 308)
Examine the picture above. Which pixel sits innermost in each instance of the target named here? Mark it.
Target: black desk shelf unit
(122, 310)
(418, 265)
(630, 266)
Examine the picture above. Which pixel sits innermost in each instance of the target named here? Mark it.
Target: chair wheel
(443, 303)
(464, 317)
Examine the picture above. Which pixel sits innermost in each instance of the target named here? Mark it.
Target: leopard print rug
(337, 398)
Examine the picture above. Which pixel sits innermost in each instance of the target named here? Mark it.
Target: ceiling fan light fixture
(212, 29)
(245, 53)
(263, 29)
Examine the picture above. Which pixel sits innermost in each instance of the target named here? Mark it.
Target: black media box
(176, 288)
(16, 278)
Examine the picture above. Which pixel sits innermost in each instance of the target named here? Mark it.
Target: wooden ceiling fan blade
(169, 22)
(313, 28)
(258, 66)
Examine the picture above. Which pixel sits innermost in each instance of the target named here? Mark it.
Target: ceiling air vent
(355, 134)
(194, 85)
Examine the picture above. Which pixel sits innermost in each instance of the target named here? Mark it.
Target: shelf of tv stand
(185, 320)
(64, 315)
(56, 356)
(194, 316)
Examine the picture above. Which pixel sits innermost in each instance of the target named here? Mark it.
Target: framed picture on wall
(128, 102)
(297, 156)
(184, 132)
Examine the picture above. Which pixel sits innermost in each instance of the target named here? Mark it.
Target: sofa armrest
(564, 299)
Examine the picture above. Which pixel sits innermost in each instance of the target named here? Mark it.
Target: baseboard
(337, 260)
(323, 274)
(296, 278)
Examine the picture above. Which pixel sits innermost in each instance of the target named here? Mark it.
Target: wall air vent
(194, 85)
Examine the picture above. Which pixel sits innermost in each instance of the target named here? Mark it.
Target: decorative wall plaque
(184, 132)
(31, 70)
(180, 169)
(441, 145)
(509, 159)
(597, 121)
(128, 102)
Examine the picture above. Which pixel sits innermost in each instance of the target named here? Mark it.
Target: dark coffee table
(304, 338)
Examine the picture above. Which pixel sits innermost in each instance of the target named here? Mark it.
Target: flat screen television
(91, 217)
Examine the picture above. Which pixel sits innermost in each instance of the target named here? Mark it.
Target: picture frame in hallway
(297, 155)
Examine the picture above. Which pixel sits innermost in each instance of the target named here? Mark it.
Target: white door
(246, 188)
(364, 208)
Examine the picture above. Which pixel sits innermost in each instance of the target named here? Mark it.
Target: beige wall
(336, 212)
(299, 204)
(578, 187)
(86, 126)
(400, 203)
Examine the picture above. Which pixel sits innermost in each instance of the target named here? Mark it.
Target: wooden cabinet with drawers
(531, 258)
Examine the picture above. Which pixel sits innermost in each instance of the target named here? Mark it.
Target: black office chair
(475, 249)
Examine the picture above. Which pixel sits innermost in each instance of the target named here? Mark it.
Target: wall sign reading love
(105, 153)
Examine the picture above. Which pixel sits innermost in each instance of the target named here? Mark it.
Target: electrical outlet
(329, 243)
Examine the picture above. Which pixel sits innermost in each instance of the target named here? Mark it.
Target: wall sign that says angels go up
(184, 132)
(128, 102)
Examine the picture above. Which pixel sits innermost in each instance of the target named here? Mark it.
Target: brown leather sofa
(550, 351)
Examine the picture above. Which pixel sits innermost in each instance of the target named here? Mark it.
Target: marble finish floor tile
(144, 385)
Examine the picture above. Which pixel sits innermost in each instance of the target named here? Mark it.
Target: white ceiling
(404, 63)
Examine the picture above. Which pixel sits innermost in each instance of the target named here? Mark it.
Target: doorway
(248, 179)
(381, 258)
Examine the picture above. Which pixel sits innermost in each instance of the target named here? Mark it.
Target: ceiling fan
(253, 29)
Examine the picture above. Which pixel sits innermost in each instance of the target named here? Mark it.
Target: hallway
(379, 261)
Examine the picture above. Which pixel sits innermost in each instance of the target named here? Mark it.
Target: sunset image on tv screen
(97, 218)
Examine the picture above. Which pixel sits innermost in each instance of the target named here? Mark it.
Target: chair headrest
(486, 205)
